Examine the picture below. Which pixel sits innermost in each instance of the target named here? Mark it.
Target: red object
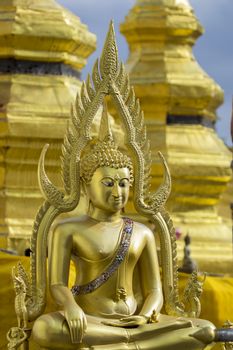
(178, 233)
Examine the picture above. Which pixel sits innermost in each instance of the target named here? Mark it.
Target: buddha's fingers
(112, 323)
(81, 329)
(129, 324)
(120, 323)
(84, 323)
(135, 320)
(130, 321)
(74, 326)
(71, 326)
(78, 331)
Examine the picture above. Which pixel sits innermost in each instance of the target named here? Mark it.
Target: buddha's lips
(117, 199)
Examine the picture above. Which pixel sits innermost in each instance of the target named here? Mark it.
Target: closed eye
(108, 183)
(124, 183)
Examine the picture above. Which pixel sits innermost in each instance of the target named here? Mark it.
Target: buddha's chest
(94, 245)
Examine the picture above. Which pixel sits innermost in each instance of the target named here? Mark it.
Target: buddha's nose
(115, 191)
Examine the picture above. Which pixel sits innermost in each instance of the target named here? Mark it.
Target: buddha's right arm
(74, 315)
(59, 253)
(60, 248)
(62, 295)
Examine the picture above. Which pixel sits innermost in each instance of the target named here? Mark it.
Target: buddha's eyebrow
(113, 179)
(124, 178)
(119, 179)
(107, 178)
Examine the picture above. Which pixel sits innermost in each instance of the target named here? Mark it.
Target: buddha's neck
(103, 215)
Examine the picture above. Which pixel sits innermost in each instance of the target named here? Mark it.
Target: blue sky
(213, 50)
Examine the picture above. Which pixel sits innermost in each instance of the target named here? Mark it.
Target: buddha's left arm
(150, 277)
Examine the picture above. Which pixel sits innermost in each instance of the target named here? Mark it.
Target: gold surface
(35, 112)
(34, 109)
(169, 81)
(105, 301)
(216, 298)
(43, 31)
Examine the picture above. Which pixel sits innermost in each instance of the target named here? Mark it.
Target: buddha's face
(109, 188)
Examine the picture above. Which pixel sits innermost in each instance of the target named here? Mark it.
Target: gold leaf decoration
(109, 65)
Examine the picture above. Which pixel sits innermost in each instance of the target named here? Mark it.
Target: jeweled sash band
(117, 260)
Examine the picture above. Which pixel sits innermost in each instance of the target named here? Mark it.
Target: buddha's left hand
(131, 321)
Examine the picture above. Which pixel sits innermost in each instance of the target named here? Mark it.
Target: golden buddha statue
(118, 295)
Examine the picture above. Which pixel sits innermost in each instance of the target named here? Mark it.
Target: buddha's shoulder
(71, 224)
(142, 229)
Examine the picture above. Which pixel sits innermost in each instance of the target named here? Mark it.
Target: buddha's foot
(205, 335)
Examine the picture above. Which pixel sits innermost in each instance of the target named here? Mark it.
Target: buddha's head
(107, 175)
(106, 172)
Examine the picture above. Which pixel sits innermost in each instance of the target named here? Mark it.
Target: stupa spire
(43, 48)
(180, 101)
(160, 34)
(42, 30)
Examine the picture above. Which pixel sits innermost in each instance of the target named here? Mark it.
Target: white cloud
(182, 2)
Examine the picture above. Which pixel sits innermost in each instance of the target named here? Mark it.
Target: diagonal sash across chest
(115, 263)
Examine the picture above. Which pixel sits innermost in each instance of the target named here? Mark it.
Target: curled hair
(104, 154)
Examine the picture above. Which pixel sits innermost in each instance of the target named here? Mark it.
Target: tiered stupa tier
(180, 101)
(43, 48)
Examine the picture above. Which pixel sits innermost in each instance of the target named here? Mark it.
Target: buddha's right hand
(76, 320)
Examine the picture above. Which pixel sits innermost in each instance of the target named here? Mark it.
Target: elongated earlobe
(85, 195)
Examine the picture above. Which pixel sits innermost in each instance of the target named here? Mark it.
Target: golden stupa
(43, 49)
(180, 101)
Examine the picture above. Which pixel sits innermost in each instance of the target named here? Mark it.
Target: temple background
(212, 50)
(21, 142)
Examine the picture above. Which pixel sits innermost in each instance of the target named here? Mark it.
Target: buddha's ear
(83, 187)
(84, 192)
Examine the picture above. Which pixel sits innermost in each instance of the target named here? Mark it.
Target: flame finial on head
(109, 61)
(105, 132)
